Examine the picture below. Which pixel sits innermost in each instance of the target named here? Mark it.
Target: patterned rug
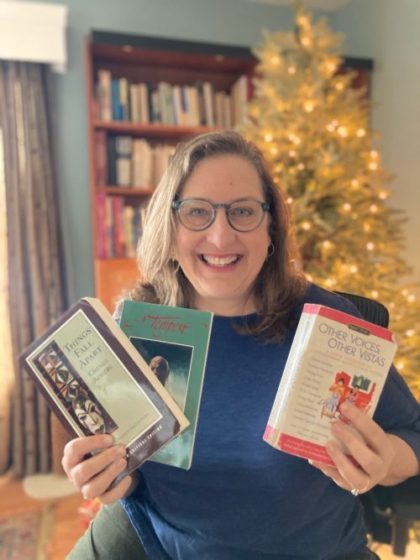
(24, 536)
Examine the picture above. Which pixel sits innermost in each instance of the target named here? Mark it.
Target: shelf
(126, 191)
(113, 278)
(151, 130)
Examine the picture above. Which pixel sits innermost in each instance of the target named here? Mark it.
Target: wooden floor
(67, 525)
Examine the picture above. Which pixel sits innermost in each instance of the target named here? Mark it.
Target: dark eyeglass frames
(198, 214)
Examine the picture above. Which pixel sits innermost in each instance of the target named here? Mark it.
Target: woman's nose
(220, 233)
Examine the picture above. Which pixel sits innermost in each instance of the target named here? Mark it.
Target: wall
(389, 32)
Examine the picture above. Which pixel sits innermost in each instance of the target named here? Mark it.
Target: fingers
(119, 491)
(99, 484)
(76, 449)
(93, 475)
(368, 452)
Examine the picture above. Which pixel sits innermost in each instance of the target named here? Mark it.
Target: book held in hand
(334, 357)
(174, 341)
(96, 382)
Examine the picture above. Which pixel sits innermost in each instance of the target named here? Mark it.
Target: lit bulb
(346, 207)
(327, 244)
(309, 277)
(275, 60)
(374, 154)
(330, 127)
(361, 132)
(410, 332)
(366, 227)
(400, 365)
(374, 293)
(289, 200)
(370, 246)
(411, 298)
(353, 269)
(373, 166)
(306, 226)
(373, 208)
(383, 195)
(309, 106)
(274, 151)
(354, 183)
(292, 70)
(301, 166)
(342, 131)
(330, 282)
(306, 41)
(268, 137)
(339, 86)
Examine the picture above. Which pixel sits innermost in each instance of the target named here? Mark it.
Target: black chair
(390, 511)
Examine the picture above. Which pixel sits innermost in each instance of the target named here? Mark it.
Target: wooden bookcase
(141, 59)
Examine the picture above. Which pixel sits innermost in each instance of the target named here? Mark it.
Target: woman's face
(221, 263)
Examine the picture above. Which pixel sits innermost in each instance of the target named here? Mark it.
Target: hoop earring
(270, 251)
(175, 265)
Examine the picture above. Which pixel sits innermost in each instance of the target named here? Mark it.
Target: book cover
(174, 341)
(334, 356)
(96, 382)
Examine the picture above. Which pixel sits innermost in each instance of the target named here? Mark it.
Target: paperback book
(174, 342)
(96, 382)
(334, 357)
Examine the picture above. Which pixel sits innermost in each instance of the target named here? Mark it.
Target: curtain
(33, 286)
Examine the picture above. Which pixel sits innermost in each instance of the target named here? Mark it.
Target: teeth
(220, 261)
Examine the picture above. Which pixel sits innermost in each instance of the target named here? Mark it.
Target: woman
(217, 237)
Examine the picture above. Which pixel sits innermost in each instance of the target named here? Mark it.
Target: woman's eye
(198, 212)
(242, 211)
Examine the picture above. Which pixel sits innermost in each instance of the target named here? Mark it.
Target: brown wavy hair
(279, 284)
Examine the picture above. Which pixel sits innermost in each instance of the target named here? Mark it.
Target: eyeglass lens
(243, 215)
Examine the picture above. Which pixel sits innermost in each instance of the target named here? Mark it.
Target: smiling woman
(217, 237)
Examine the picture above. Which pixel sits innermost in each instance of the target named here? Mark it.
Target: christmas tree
(313, 127)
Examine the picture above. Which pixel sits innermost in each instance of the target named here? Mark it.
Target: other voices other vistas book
(334, 357)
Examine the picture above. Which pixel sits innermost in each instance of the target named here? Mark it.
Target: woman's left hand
(371, 449)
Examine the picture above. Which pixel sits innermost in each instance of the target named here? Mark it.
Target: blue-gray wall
(389, 32)
(385, 30)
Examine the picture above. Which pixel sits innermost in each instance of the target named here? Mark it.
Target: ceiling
(326, 5)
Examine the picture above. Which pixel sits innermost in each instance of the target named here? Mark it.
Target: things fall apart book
(96, 382)
(174, 341)
(334, 357)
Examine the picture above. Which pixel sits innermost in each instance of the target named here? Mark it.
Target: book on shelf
(120, 99)
(95, 381)
(174, 341)
(334, 357)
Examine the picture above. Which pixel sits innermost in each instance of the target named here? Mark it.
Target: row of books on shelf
(124, 161)
(118, 227)
(119, 99)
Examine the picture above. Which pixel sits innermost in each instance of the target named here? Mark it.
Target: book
(96, 382)
(174, 341)
(334, 357)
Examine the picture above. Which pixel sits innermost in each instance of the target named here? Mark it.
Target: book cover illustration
(96, 382)
(174, 342)
(334, 357)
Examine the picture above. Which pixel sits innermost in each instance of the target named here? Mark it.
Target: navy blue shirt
(243, 499)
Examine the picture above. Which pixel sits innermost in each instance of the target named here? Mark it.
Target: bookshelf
(144, 95)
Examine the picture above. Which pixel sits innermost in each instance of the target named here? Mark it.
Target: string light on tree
(318, 136)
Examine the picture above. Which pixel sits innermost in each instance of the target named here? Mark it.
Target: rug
(25, 536)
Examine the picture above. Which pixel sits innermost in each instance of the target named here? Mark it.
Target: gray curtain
(35, 271)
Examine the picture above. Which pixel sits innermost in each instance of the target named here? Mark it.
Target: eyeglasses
(198, 214)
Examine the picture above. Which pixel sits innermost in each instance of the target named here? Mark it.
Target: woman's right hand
(93, 475)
